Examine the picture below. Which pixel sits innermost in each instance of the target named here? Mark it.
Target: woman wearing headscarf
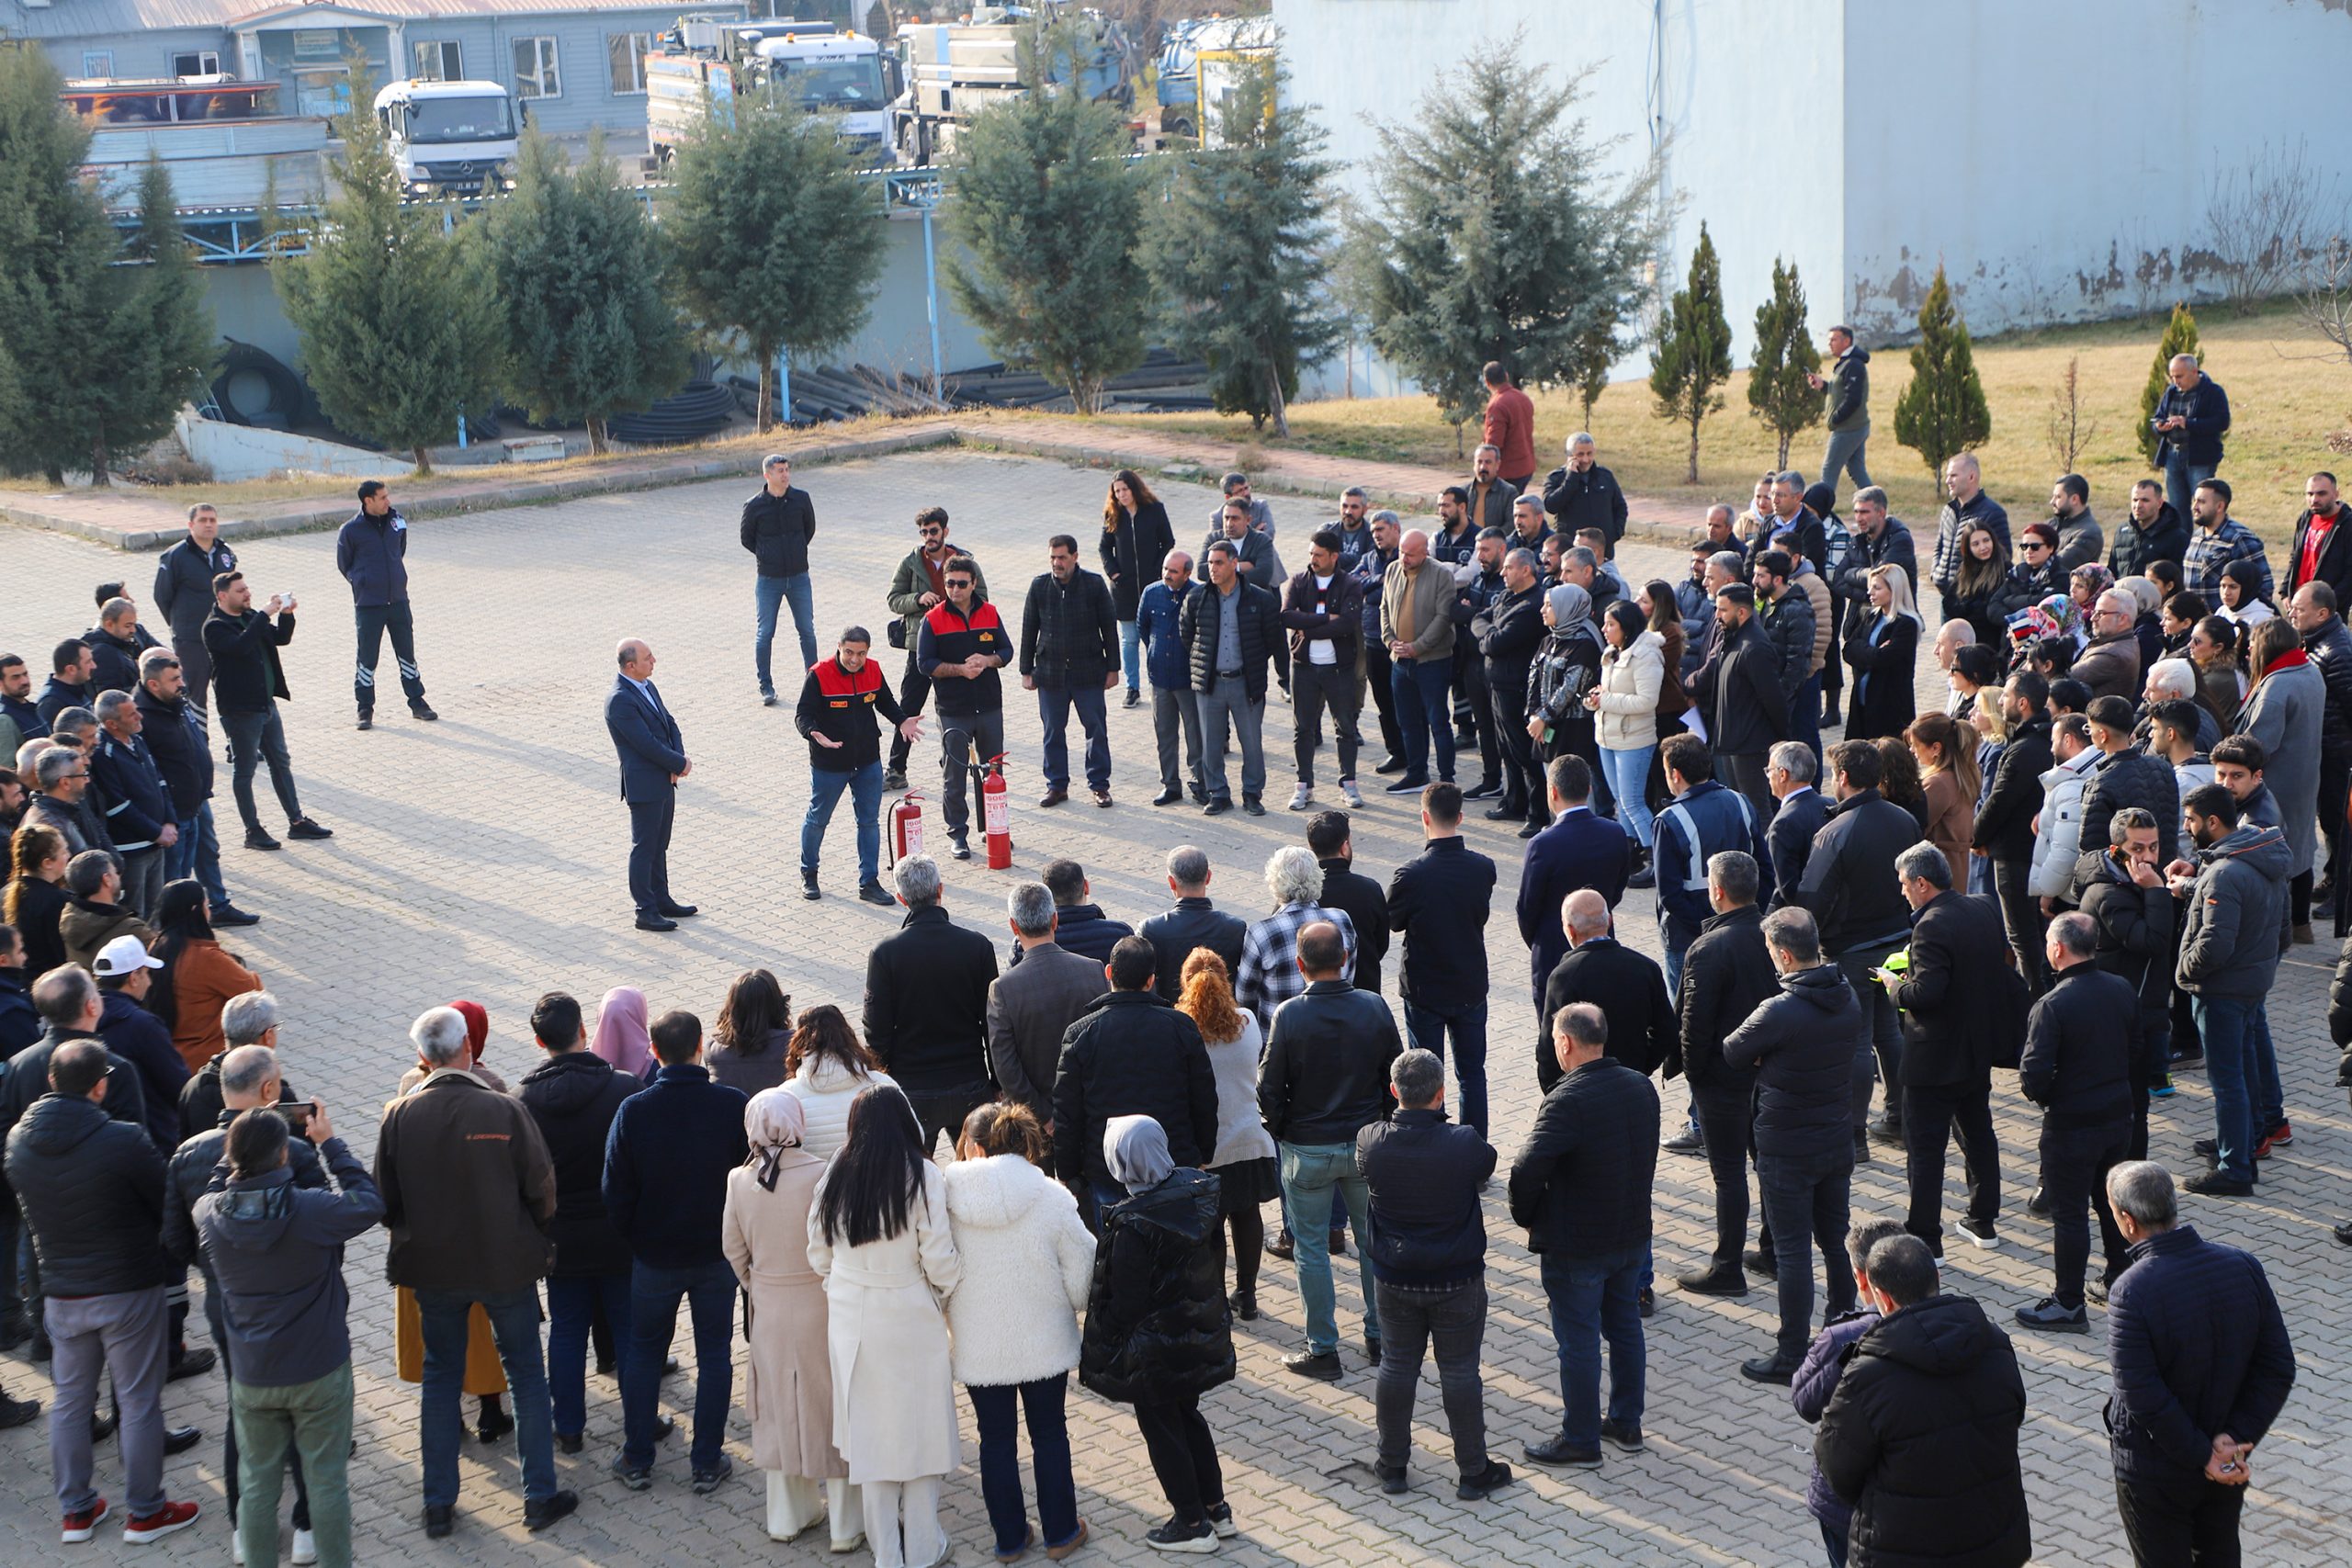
(878, 1236)
(198, 975)
(1157, 1333)
(789, 1391)
(1884, 648)
(1026, 1258)
(826, 1068)
(2147, 616)
(621, 1038)
(1565, 667)
(2086, 583)
(2243, 604)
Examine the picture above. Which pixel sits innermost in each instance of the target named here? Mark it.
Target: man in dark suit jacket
(1194, 922)
(1033, 1004)
(1580, 849)
(927, 1005)
(1331, 838)
(653, 758)
(1950, 1024)
(1792, 773)
(1627, 987)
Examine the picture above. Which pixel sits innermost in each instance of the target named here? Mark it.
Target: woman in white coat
(1027, 1259)
(825, 1067)
(878, 1236)
(1625, 701)
(789, 1395)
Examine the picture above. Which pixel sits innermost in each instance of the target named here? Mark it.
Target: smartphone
(297, 1115)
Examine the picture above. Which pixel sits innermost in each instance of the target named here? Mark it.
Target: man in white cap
(125, 973)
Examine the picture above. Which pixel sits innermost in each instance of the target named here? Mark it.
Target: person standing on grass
(1846, 391)
(777, 524)
(372, 554)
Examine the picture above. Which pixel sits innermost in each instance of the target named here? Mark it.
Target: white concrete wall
(245, 452)
(2056, 157)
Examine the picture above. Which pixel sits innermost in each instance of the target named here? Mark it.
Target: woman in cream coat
(825, 1067)
(1625, 701)
(789, 1395)
(1027, 1259)
(878, 1236)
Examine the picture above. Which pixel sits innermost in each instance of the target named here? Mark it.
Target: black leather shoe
(440, 1518)
(229, 915)
(1760, 1262)
(655, 923)
(809, 888)
(1713, 1282)
(1396, 1483)
(1532, 829)
(180, 1440)
(1252, 805)
(1216, 808)
(1391, 765)
(1646, 1303)
(1279, 1246)
(366, 721)
(1489, 789)
(102, 1426)
(1495, 1476)
(538, 1516)
(1626, 1437)
(1507, 812)
(571, 1442)
(1245, 1306)
(1371, 1349)
(876, 894)
(259, 838)
(1322, 1365)
(1774, 1369)
(679, 912)
(423, 711)
(2343, 1236)
(196, 1363)
(1168, 797)
(1561, 1454)
(493, 1424)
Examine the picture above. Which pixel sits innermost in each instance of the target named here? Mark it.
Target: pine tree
(2180, 337)
(775, 244)
(585, 330)
(1693, 354)
(1049, 216)
(1236, 255)
(1941, 413)
(163, 325)
(1492, 233)
(1777, 390)
(396, 332)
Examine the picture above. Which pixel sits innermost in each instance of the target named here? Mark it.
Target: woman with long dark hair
(198, 975)
(749, 1045)
(826, 1067)
(1623, 703)
(1243, 1160)
(2213, 648)
(878, 1235)
(1982, 578)
(37, 898)
(1136, 537)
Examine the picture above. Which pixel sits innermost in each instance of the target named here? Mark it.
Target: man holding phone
(248, 682)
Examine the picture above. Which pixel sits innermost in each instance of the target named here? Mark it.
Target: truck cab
(813, 66)
(458, 137)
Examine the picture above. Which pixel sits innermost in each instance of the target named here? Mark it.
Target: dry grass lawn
(2284, 402)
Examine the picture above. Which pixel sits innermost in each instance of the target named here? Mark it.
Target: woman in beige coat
(789, 1395)
(1624, 702)
(879, 1234)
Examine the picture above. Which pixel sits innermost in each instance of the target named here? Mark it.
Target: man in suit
(1194, 922)
(1332, 835)
(653, 758)
(1949, 1023)
(1033, 1004)
(1627, 987)
(1791, 772)
(1580, 849)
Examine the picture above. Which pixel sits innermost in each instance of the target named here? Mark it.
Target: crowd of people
(2084, 869)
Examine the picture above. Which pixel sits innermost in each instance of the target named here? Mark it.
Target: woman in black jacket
(754, 1028)
(1982, 578)
(1158, 1332)
(36, 897)
(1136, 540)
(1884, 648)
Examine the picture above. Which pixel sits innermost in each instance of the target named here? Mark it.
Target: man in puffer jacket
(1785, 612)
(1824, 1362)
(1921, 1437)
(2125, 776)
(2235, 931)
(2058, 827)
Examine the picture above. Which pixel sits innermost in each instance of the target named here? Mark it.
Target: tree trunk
(1282, 409)
(764, 414)
(1693, 475)
(98, 476)
(1784, 450)
(424, 461)
(599, 440)
(54, 475)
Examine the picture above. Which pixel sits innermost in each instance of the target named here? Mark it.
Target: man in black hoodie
(1801, 1046)
(1921, 1435)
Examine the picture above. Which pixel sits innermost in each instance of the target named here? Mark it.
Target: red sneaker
(169, 1519)
(83, 1523)
(2283, 1134)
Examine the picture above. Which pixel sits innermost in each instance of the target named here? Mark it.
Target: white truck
(954, 70)
(812, 64)
(458, 138)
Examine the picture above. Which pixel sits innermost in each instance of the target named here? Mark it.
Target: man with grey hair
(1627, 984)
(139, 815)
(1193, 922)
(1353, 525)
(1580, 493)
(1965, 483)
(1795, 522)
(1269, 975)
(2203, 1365)
(1509, 632)
(1175, 706)
(777, 523)
(1371, 571)
(182, 594)
(1846, 394)
(653, 758)
(1422, 1175)
(59, 783)
(927, 1005)
(1791, 769)
(468, 1191)
(1417, 629)
(1727, 974)
(2191, 418)
(248, 1019)
(1031, 1005)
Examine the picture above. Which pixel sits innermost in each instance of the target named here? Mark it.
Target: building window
(203, 63)
(98, 62)
(625, 59)
(440, 59)
(537, 72)
(323, 90)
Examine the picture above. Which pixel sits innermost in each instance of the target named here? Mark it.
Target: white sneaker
(1300, 797)
(1351, 795)
(306, 1547)
(236, 1547)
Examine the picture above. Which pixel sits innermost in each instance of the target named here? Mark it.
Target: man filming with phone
(248, 682)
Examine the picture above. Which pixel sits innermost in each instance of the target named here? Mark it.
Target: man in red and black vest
(963, 645)
(837, 708)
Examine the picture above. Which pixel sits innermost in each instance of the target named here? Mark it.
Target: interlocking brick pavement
(484, 857)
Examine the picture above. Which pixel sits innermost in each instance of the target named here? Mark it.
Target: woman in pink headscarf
(621, 1038)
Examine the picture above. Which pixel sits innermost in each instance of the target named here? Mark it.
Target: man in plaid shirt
(1270, 973)
(2216, 541)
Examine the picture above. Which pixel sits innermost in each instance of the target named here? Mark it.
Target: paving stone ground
(484, 857)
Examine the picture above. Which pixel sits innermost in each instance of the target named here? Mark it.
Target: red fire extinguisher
(996, 814)
(906, 827)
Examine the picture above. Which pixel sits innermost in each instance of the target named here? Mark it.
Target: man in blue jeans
(1417, 597)
(1326, 1079)
(836, 716)
(2190, 419)
(1441, 901)
(2234, 930)
(1580, 1185)
(468, 1196)
(777, 523)
(665, 1191)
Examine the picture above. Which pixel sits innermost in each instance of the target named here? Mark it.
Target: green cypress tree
(1494, 234)
(390, 300)
(1941, 413)
(1236, 255)
(1778, 391)
(1692, 359)
(775, 244)
(163, 325)
(585, 329)
(2180, 337)
(1049, 217)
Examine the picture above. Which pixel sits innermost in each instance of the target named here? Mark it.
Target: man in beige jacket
(1417, 625)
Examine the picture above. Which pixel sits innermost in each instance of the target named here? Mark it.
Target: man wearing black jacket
(1069, 656)
(182, 595)
(1326, 1079)
(1330, 838)
(1580, 493)
(2123, 892)
(777, 524)
(1800, 1044)
(248, 683)
(1322, 613)
(1231, 630)
(1727, 974)
(1439, 901)
(176, 734)
(2151, 530)
(1739, 695)
(836, 716)
(1429, 1259)
(1580, 1185)
(2004, 832)
(2126, 776)
(927, 1005)
(1947, 995)
(1507, 631)
(1130, 1053)
(1627, 986)
(1194, 922)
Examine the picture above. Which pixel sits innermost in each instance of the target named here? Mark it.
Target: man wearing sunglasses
(919, 585)
(962, 644)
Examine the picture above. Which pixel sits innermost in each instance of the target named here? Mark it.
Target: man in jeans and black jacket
(836, 717)
(248, 683)
(2004, 832)
(1069, 656)
(777, 524)
(1325, 1079)
(1726, 974)
(1429, 1258)
(927, 1005)
(1440, 900)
